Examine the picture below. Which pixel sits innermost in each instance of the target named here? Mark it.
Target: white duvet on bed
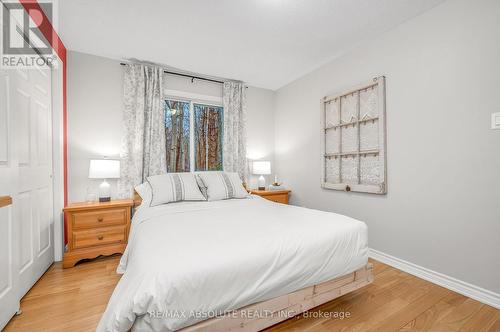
(195, 259)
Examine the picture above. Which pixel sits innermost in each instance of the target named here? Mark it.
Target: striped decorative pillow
(174, 187)
(222, 185)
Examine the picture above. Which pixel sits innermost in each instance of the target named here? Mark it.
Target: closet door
(9, 253)
(33, 207)
(26, 175)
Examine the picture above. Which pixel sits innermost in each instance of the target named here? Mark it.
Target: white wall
(94, 118)
(260, 129)
(442, 209)
(95, 107)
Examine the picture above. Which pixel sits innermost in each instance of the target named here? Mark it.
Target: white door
(26, 175)
(9, 255)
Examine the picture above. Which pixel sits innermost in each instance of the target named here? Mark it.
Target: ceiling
(266, 43)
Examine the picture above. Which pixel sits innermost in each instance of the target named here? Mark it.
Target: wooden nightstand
(279, 196)
(96, 229)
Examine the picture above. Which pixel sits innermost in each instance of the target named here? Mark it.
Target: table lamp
(262, 168)
(104, 169)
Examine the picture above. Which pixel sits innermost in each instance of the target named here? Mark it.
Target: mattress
(190, 261)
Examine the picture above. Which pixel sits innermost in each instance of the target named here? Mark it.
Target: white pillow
(144, 190)
(174, 187)
(223, 185)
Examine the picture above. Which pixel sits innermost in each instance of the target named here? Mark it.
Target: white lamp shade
(261, 167)
(104, 169)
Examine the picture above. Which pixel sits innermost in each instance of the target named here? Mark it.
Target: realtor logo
(23, 44)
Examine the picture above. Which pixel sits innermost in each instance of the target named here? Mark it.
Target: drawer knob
(100, 219)
(100, 237)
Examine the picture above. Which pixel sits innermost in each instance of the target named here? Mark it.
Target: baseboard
(464, 288)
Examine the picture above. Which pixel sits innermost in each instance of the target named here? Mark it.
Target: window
(177, 135)
(208, 137)
(193, 136)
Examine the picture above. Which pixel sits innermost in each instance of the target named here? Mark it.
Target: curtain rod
(184, 75)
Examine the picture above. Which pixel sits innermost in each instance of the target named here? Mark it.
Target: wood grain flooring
(74, 300)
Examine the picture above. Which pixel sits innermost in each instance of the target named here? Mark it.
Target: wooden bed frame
(259, 316)
(286, 306)
(137, 199)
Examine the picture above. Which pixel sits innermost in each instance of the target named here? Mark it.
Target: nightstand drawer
(278, 196)
(99, 218)
(98, 236)
(282, 198)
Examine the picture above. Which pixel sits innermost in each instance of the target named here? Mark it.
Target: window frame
(359, 120)
(192, 99)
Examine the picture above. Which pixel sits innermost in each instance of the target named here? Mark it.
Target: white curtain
(234, 137)
(143, 148)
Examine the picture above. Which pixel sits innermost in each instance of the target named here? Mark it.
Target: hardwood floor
(74, 299)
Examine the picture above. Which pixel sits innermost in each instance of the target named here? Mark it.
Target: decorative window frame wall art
(353, 139)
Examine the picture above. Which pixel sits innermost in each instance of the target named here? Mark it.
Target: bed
(236, 264)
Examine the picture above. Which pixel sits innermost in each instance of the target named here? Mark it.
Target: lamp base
(104, 192)
(262, 183)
